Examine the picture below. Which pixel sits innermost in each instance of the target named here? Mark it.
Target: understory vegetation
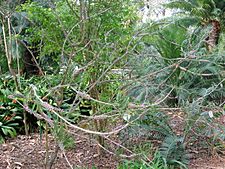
(94, 68)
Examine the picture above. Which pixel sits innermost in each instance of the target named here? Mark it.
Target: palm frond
(181, 5)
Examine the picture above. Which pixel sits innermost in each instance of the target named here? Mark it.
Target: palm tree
(205, 13)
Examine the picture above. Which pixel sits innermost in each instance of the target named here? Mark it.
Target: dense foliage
(89, 64)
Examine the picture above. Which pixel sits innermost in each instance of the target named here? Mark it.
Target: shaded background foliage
(95, 55)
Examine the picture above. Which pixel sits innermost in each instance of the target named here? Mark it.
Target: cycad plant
(156, 65)
(155, 126)
(173, 152)
(203, 13)
(176, 63)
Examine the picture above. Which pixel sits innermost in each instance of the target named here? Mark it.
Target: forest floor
(28, 152)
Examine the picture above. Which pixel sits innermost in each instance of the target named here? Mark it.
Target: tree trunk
(213, 38)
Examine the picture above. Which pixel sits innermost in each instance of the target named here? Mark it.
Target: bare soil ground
(28, 152)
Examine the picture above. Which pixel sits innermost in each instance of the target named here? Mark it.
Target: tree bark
(213, 38)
